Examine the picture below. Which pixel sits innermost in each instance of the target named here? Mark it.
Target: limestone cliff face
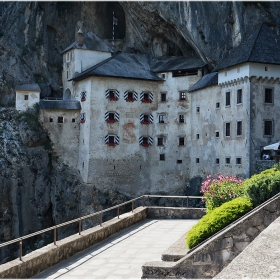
(32, 34)
(37, 190)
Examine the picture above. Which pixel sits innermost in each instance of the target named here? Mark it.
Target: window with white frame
(181, 118)
(182, 95)
(161, 118)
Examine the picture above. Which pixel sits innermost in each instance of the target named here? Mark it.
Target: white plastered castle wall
(129, 167)
(64, 136)
(25, 99)
(78, 60)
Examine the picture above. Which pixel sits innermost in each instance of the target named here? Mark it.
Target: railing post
(101, 219)
(54, 236)
(148, 201)
(142, 201)
(187, 202)
(118, 212)
(132, 206)
(20, 250)
(80, 226)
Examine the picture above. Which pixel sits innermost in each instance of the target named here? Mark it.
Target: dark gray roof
(262, 46)
(60, 104)
(124, 65)
(91, 42)
(177, 63)
(28, 87)
(206, 81)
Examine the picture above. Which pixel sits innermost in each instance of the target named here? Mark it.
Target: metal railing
(53, 98)
(79, 220)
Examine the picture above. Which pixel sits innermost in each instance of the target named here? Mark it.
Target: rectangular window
(181, 141)
(197, 109)
(162, 157)
(238, 160)
(26, 97)
(161, 118)
(111, 139)
(197, 136)
(160, 141)
(179, 161)
(217, 161)
(68, 57)
(268, 95)
(239, 128)
(227, 98)
(228, 129)
(51, 119)
(181, 118)
(239, 96)
(145, 140)
(163, 97)
(130, 95)
(227, 160)
(217, 105)
(217, 134)
(60, 119)
(197, 160)
(268, 128)
(182, 95)
(73, 120)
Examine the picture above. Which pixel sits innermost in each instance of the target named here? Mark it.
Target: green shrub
(217, 191)
(261, 187)
(217, 219)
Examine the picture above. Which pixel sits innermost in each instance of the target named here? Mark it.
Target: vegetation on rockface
(217, 191)
(217, 219)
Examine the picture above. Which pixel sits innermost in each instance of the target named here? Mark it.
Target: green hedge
(261, 187)
(217, 219)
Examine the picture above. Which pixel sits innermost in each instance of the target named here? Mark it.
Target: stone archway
(67, 94)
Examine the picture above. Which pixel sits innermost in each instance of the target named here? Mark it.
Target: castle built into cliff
(148, 125)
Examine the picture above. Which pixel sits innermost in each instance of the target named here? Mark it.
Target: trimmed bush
(260, 187)
(218, 219)
(217, 191)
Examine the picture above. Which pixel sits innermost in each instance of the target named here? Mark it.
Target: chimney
(80, 38)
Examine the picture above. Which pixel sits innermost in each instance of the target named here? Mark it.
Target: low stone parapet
(175, 213)
(207, 259)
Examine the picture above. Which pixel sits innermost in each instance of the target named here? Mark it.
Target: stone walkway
(122, 255)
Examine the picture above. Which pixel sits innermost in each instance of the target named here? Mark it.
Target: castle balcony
(59, 104)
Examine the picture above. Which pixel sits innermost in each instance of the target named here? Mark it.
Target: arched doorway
(67, 94)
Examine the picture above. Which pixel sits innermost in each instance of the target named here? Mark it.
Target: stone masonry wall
(209, 258)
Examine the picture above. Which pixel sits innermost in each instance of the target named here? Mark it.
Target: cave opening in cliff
(114, 8)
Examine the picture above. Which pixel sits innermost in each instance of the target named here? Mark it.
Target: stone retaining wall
(210, 257)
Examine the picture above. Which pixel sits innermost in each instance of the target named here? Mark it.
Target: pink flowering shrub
(217, 191)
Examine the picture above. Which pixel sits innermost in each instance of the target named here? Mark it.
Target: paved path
(259, 260)
(122, 255)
